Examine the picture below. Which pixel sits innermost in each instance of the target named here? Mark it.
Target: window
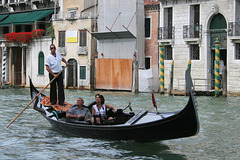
(83, 38)
(5, 30)
(194, 52)
(28, 28)
(168, 52)
(41, 63)
(147, 27)
(18, 28)
(147, 62)
(237, 52)
(73, 15)
(195, 14)
(168, 29)
(83, 72)
(61, 38)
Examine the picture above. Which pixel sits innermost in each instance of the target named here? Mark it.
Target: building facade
(66, 23)
(72, 25)
(23, 53)
(189, 29)
(151, 10)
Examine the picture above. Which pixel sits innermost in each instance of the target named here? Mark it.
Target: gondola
(143, 126)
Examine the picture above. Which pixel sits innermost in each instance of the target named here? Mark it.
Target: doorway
(17, 66)
(72, 81)
(218, 28)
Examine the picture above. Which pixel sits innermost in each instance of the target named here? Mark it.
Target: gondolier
(53, 66)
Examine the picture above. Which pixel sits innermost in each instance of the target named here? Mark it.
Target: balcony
(234, 31)
(192, 33)
(166, 34)
(71, 16)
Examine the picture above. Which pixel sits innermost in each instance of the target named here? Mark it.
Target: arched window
(41, 63)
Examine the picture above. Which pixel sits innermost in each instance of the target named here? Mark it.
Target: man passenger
(79, 112)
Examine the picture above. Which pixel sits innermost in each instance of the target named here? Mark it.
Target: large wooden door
(17, 66)
(113, 74)
(72, 74)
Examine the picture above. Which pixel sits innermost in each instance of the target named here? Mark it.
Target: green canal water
(31, 137)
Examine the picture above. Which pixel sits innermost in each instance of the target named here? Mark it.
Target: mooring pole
(4, 57)
(189, 65)
(224, 82)
(171, 79)
(217, 60)
(161, 68)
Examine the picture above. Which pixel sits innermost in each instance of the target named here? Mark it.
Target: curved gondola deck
(142, 127)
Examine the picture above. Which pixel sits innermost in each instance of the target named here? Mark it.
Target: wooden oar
(35, 97)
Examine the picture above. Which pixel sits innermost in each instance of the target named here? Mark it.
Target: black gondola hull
(183, 124)
(150, 127)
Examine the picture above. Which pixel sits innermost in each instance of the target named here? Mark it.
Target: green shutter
(82, 72)
(41, 63)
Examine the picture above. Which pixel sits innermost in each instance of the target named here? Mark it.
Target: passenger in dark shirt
(79, 112)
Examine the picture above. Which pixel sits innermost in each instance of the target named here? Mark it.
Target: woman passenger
(99, 110)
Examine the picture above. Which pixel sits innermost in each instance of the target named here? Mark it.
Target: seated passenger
(79, 112)
(99, 110)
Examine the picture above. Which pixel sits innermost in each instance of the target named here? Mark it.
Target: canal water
(31, 137)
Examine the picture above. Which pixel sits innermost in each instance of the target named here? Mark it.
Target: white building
(189, 28)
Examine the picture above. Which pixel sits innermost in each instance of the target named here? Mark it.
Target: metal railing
(166, 32)
(192, 31)
(199, 84)
(234, 29)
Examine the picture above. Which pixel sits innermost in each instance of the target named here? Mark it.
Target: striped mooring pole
(4, 66)
(217, 60)
(161, 67)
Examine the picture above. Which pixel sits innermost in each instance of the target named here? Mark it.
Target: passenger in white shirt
(100, 109)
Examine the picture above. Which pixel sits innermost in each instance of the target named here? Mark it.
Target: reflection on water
(31, 137)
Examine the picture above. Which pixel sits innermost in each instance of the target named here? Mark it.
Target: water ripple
(32, 137)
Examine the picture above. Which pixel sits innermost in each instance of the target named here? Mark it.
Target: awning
(2, 16)
(113, 35)
(26, 17)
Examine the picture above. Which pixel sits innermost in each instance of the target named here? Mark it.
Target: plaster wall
(71, 49)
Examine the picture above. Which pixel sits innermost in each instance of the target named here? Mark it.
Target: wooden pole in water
(136, 73)
(171, 79)
(189, 65)
(172, 67)
(224, 82)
